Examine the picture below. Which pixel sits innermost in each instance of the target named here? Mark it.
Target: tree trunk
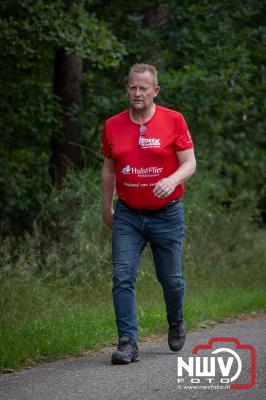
(156, 17)
(65, 147)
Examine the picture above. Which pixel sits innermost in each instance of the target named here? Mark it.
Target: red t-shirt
(141, 161)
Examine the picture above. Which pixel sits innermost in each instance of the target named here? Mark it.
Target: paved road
(154, 377)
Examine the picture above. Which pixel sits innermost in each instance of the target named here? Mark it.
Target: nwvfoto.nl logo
(222, 361)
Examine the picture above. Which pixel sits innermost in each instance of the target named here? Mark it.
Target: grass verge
(64, 327)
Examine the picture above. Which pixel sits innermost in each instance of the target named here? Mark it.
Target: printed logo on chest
(147, 143)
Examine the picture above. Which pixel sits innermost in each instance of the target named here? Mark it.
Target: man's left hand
(164, 188)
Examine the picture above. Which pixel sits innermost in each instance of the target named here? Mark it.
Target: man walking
(148, 154)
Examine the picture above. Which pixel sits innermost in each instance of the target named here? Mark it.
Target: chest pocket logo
(147, 143)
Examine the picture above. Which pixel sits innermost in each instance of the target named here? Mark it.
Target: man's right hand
(108, 216)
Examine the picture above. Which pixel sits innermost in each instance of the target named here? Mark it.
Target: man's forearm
(108, 186)
(184, 172)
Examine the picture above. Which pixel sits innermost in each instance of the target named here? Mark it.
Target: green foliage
(30, 32)
(218, 234)
(216, 79)
(211, 62)
(71, 246)
(25, 130)
(30, 26)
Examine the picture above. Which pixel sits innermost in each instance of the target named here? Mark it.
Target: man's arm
(108, 187)
(187, 167)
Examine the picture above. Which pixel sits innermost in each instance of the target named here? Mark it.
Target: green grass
(43, 320)
(62, 326)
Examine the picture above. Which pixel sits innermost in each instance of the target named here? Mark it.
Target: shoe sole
(177, 348)
(120, 361)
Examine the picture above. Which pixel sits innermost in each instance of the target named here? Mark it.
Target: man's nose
(137, 92)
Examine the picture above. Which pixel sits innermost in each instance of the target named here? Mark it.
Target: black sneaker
(176, 335)
(127, 351)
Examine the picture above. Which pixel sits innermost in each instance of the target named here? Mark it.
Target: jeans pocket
(175, 211)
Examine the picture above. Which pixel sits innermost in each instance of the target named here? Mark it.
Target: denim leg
(166, 237)
(127, 245)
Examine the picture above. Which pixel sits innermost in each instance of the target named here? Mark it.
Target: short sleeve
(106, 149)
(183, 137)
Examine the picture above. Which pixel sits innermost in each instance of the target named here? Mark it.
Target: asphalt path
(93, 377)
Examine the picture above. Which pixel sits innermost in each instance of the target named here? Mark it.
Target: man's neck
(142, 116)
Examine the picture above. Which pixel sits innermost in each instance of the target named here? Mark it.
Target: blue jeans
(131, 232)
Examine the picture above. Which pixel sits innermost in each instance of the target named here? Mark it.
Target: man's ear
(157, 91)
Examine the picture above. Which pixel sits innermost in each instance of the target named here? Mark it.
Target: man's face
(141, 90)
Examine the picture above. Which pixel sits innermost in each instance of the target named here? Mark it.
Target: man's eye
(141, 88)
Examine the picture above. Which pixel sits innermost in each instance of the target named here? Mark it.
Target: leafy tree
(31, 34)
